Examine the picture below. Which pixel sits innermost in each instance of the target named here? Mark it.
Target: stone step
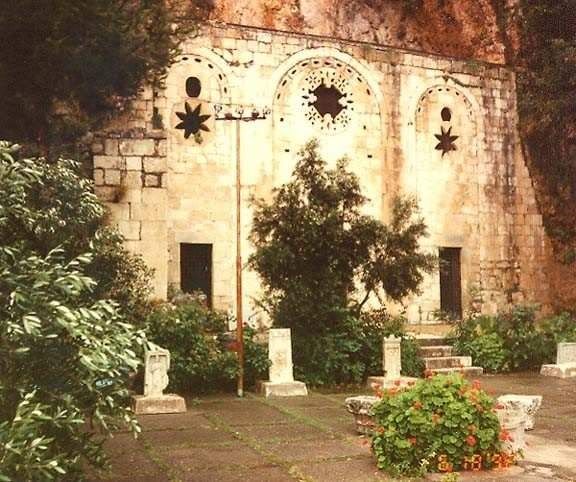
(430, 340)
(433, 363)
(436, 351)
(466, 371)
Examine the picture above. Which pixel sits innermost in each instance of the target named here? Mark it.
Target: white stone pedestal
(391, 365)
(156, 366)
(281, 372)
(565, 366)
(529, 404)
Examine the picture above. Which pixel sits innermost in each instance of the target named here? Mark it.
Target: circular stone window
(327, 99)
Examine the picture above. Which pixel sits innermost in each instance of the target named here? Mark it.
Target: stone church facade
(441, 129)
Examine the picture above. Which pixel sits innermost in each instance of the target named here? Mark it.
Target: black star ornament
(192, 120)
(446, 143)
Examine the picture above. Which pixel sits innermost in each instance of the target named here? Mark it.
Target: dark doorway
(450, 282)
(196, 269)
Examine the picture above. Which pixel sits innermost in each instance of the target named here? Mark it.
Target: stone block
(153, 180)
(155, 164)
(168, 403)
(130, 230)
(391, 360)
(108, 162)
(98, 177)
(154, 196)
(361, 408)
(288, 389)
(513, 421)
(133, 163)
(529, 404)
(137, 147)
(565, 353)
(111, 147)
(133, 179)
(564, 370)
(112, 177)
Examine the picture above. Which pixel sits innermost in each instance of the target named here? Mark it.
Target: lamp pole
(238, 114)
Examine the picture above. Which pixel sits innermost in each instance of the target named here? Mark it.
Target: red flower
(412, 440)
(397, 383)
(471, 440)
(428, 373)
(504, 435)
(381, 430)
(417, 405)
(499, 406)
(379, 393)
(476, 384)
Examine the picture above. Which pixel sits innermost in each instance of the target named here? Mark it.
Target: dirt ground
(223, 438)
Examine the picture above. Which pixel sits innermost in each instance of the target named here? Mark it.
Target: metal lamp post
(239, 113)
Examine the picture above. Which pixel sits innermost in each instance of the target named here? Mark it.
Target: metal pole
(239, 317)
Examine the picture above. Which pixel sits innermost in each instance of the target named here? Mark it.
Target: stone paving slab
(223, 438)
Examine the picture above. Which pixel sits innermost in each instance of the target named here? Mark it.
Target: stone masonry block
(112, 177)
(98, 177)
(111, 147)
(118, 211)
(152, 180)
(162, 147)
(133, 179)
(154, 196)
(133, 163)
(155, 164)
(137, 147)
(108, 162)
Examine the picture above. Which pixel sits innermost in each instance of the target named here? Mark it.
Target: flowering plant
(442, 423)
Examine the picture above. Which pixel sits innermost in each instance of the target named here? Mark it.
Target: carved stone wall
(441, 129)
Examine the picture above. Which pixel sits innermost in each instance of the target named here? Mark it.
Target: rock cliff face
(465, 28)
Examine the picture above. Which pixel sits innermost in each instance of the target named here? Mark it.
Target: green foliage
(68, 63)
(320, 259)
(547, 106)
(433, 426)
(512, 340)
(48, 205)
(65, 352)
(200, 351)
(66, 356)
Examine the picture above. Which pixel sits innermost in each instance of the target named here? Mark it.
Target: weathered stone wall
(165, 188)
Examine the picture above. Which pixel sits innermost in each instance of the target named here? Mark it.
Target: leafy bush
(439, 424)
(512, 340)
(200, 351)
(320, 259)
(63, 362)
(65, 353)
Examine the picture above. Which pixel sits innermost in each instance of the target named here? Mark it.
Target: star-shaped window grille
(192, 120)
(446, 139)
(326, 100)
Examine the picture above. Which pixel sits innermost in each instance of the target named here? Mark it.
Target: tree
(320, 258)
(65, 352)
(66, 64)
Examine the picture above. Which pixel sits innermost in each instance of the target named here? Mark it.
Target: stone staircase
(438, 357)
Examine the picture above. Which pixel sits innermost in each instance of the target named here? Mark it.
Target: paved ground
(222, 438)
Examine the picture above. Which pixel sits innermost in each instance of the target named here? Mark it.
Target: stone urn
(513, 421)
(361, 408)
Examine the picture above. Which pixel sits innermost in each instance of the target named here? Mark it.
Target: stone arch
(325, 94)
(210, 79)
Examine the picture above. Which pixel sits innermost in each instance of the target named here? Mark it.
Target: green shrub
(63, 362)
(200, 350)
(512, 340)
(354, 352)
(435, 426)
(65, 352)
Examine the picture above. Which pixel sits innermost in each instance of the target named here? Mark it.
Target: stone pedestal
(391, 365)
(513, 421)
(361, 408)
(156, 366)
(529, 404)
(281, 383)
(565, 366)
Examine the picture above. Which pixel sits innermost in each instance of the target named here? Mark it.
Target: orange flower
(397, 383)
(381, 430)
(504, 435)
(417, 405)
(412, 440)
(379, 393)
(499, 406)
(471, 440)
(428, 373)
(476, 384)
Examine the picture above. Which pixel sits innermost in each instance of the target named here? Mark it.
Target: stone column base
(562, 370)
(379, 383)
(288, 389)
(145, 405)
